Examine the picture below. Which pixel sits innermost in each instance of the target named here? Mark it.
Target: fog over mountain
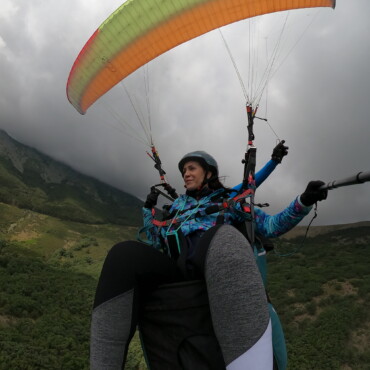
(317, 101)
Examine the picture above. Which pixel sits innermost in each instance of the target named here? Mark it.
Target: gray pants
(236, 295)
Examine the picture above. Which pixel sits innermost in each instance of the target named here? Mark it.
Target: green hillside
(56, 227)
(48, 273)
(43, 312)
(49, 269)
(322, 294)
(34, 181)
(61, 242)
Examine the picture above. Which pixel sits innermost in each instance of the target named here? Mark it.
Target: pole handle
(360, 178)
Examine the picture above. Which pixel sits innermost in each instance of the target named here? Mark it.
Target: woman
(210, 248)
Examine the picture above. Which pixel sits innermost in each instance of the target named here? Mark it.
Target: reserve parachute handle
(360, 178)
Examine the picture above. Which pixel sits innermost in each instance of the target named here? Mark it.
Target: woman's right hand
(152, 198)
(313, 194)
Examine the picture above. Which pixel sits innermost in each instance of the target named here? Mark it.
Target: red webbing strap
(165, 223)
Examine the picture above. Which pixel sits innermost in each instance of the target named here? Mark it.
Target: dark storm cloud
(318, 102)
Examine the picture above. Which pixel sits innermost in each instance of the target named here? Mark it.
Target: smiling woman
(194, 175)
(202, 238)
(199, 168)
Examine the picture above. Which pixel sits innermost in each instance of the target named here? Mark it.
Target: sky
(317, 100)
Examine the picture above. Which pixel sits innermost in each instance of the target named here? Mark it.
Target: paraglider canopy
(141, 30)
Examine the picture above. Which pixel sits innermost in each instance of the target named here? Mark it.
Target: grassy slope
(299, 231)
(322, 293)
(49, 236)
(50, 269)
(44, 313)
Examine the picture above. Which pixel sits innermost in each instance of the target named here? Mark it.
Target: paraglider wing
(141, 30)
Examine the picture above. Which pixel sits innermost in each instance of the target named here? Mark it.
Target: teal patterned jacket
(189, 215)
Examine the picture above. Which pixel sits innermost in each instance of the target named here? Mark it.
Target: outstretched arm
(276, 225)
(278, 153)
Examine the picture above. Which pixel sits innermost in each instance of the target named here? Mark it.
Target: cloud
(8, 9)
(317, 101)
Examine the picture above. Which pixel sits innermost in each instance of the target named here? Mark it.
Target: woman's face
(193, 175)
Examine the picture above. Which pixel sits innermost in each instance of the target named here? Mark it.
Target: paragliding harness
(258, 243)
(175, 239)
(245, 198)
(174, 244)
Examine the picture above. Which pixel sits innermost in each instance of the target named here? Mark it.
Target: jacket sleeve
(265, 172)
(154, 234)
(276, 225)
(147, 216)
(149, 229)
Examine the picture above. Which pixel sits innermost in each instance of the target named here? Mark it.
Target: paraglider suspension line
(300, 246)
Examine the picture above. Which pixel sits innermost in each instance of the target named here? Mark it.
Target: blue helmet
(205, 160)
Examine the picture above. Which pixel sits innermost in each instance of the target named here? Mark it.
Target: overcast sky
(318, 101)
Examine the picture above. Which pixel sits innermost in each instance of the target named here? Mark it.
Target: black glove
(151, 199)
(279, 152)
(312, 194)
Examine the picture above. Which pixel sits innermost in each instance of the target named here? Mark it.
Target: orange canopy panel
(141, 30)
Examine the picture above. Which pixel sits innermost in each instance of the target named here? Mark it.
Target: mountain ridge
(24, 167)
(315, 231)
(30, 179)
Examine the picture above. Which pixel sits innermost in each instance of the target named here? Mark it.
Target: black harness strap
(162, 175)
(249, 175)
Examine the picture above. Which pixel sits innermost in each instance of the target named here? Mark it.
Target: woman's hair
(215, 183)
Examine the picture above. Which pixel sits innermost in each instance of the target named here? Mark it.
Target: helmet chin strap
(206, 179)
